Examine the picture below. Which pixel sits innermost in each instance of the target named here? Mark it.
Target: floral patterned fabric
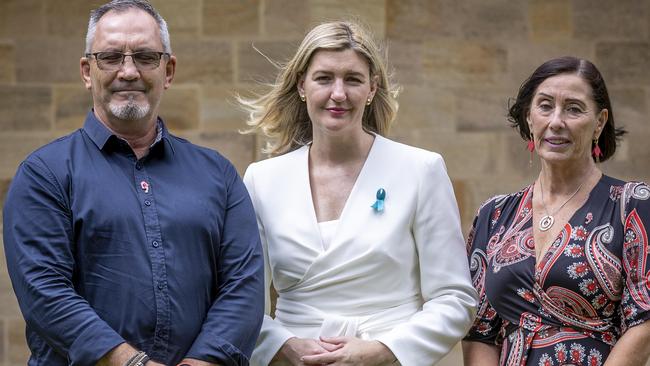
(590, 286)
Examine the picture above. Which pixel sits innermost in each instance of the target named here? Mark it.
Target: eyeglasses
(112, 61)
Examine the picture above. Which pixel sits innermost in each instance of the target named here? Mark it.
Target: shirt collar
(100, 134)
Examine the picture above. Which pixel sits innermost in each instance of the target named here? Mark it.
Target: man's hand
(195, 362)
(118, 355)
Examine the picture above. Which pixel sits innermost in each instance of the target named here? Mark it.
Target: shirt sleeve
(488, 323)
(635, 303)
(273, 335)
(38, 240)
(233, 322)
(449, 298)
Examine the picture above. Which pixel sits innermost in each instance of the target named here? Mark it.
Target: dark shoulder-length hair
(567, 65)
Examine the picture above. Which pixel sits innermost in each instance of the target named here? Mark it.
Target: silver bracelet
(139, 359)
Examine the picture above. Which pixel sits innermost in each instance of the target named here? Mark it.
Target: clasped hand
(185, 362)
(334, 351)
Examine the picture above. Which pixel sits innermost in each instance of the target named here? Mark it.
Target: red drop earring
(596, 152)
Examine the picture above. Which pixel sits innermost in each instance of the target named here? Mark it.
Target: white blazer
(399, 276)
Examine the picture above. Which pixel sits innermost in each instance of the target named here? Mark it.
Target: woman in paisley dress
(562, 266)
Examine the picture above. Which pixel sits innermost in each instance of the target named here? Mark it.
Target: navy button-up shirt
(161, 252)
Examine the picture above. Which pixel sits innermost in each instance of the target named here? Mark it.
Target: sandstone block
(369, 12)
(10, 307)
(469, 158)
(630, 106)
(407, 61)
(524, 57)
(604, 19)
(473, 19)
(487, 20)
(515, 159)
(234, 146)
(219, 109)
(231, 18)
(624, 62)
(25, 108)
(463, 198)
(71, 104)
(183, 17)
(4, 187)
(276, 22)
(427, 107)
(21, 18)
(203, 61)
(467, 155)
(179, 108)
(253, 65)
(482, 109)
(69, 18)
(550, 20)
(413, 19)
(48, 60)
(449, 63)
(3, 351)
(17, 352)
(7, 63)
(632, 159)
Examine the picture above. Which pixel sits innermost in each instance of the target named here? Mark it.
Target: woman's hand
(295, 348)
(351, 351)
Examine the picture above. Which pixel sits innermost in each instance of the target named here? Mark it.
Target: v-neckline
(349, 198)
(540, 262)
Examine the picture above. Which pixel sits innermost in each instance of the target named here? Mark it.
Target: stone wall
(458, 63)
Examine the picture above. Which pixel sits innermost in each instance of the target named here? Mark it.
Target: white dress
(399, 276)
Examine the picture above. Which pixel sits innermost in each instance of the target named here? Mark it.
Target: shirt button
(155, 244)
(138, 165)
(147, 203)
(161, 285)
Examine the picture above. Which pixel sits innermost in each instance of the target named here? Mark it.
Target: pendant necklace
(548, 220)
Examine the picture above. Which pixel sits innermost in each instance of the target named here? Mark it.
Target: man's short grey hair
(121, 6)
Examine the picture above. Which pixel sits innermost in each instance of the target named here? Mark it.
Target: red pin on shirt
(145, 186)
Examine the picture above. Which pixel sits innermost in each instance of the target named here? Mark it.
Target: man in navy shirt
(125, 244)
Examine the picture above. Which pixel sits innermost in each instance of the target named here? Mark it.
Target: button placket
(145, 193)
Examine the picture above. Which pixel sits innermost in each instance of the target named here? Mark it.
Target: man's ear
(170, 70)
(84, 69)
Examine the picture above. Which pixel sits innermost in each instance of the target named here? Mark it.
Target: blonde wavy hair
(280, 114)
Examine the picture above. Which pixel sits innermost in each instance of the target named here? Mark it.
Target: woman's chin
(562, 157)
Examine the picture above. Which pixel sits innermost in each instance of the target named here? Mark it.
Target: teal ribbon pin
(378, 206)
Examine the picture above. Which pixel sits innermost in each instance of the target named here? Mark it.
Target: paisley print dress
(588, 289)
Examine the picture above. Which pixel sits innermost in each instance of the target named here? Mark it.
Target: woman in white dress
(361, 234)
